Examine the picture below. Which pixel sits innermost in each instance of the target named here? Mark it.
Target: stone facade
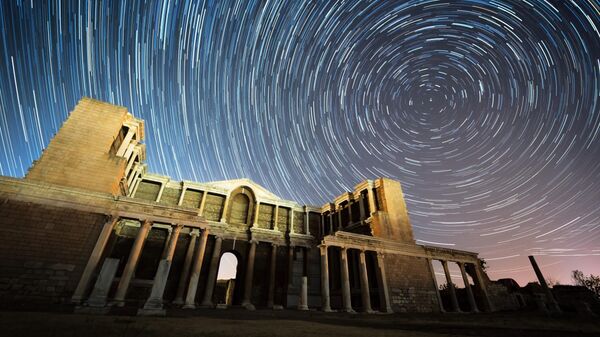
(88, 208)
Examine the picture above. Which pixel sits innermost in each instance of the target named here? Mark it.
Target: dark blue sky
(486, 111)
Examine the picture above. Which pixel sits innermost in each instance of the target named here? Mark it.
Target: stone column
(482, 286)
(372, 204)
(131, 162)
(276, 218)
(132, 263)
(163, 255)
(247, 301)
(202, 203)
(291, 217)
(325, 302)
(346, 296)
(273, 265)
(93, 260)
(306, 221)
(349, 212)
(339, 217)
(470, 296)
(330, 215)
(190, 298)
(322, 225)
(212, 274)
(181, 195)
(154, 304)
(303, 296)
(225, 206)
(185, 273)
(435, 284)
(538, 272)
(451, 289)
(126, 141)
(364, 284)
(361, 207)
(384, 294)
(255, 224)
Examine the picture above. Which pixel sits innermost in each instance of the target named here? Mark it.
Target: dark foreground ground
(238, 322)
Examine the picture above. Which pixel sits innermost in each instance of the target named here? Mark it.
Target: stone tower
(92, 149)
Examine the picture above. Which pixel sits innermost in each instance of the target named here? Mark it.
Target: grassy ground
(238, 322)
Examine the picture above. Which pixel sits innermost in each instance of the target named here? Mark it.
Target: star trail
(488, 112)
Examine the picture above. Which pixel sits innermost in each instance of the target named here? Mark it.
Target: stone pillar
(482, 286)
(325, 302)
(349, 212)
(339, 217)
(276, 218)
(435, 284)
(202, 203)
(255, 224)
(185, 273)
(93, 260)
(291, 217)
(451, 289)
(154, 304)
(372, 204)
(130, 163)
(322, 225)
(126, 141)
(470, 296)
(330, 215)
(364, 284)
(538, 272)
(167, 243)
(273, 265)
(212, 274)
(303, 298)
(182, 195)
(225, 206)
(160, 192)
(247, 301)
(361, 207)
(346, 296)
(384, 294)
(306, 221)
(132, 263)
(190, 298)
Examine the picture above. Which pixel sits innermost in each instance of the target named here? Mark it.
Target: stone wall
(43, 252)
(410, 284)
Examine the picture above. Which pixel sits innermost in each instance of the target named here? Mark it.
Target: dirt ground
(239, 322)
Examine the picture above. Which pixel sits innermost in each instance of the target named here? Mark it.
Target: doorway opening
(226, 279)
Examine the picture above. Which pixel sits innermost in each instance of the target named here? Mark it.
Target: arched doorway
(226, 279)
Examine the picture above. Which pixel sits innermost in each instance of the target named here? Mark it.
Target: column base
(151, 312)
(221, 306)
(153, 304)
(277, 307)
(207, 305)
(178, 301)
(248, 306)
(303, 307)
(117, 303)
(349, 310)
(370, 311)
(326, 310)
(189, 306)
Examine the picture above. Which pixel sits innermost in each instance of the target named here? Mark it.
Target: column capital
(195, 232)
(273, 244)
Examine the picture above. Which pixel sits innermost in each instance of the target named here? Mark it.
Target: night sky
(487, 112)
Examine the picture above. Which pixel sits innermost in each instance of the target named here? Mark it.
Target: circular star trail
(486, 111)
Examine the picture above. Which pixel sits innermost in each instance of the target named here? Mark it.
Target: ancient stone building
(88, 225)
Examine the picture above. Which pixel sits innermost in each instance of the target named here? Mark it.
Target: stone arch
(230, 293)
(241, 206)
